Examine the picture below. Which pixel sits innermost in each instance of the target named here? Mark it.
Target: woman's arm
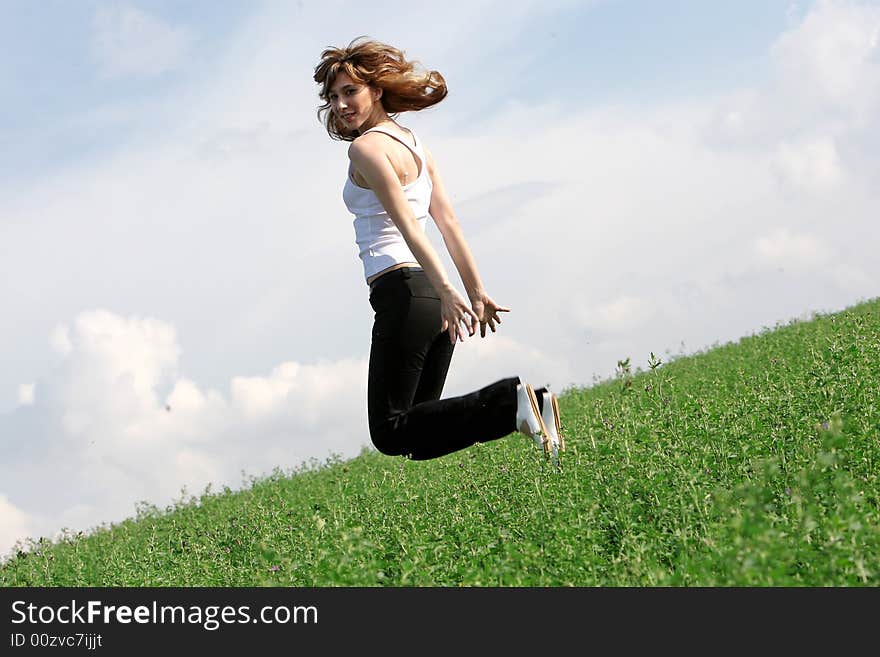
(443, 215)
(373, 164)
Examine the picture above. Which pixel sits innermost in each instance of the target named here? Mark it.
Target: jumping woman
(392, 185)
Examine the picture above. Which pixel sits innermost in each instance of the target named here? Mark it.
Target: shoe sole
(545, 435)
(556, 418)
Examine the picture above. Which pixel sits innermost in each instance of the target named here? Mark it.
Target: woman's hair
(405, 85)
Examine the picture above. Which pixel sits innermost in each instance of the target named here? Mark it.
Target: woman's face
(351, 101)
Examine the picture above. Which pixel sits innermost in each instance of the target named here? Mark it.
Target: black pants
(409, 359)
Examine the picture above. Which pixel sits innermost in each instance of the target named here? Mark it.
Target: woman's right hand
(457, 316)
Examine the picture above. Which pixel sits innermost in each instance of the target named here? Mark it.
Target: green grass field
(750, 464)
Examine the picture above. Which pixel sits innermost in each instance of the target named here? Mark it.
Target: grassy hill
(753, 463)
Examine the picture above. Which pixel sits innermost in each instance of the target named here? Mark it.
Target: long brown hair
(405, 85)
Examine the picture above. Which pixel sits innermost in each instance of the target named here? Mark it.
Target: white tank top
(380, 243)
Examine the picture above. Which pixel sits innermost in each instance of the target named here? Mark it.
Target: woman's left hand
(487, 311)
(455, 314)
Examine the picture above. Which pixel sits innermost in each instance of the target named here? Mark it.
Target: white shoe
(529, 420)
(550, 415)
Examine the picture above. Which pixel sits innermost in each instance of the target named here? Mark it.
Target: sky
(182, 301)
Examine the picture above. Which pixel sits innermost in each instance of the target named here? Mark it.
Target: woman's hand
(456, 316)
(487, 311)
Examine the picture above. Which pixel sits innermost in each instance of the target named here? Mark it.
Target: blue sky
(49, 76)
(172, 233)
(590, 52)
(651, 50)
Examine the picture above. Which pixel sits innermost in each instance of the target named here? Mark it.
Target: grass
(753, 463)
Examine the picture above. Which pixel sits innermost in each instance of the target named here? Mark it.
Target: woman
(393, 183)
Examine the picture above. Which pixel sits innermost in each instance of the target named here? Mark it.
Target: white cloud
(127, 41)
(831, 57)
(478, 362)
(818, 111)
(14, 525)
(812, 165)
(26, 394)
(114, 438)
(622, 313)
(782, 248)
(312, 397)
(60, 340)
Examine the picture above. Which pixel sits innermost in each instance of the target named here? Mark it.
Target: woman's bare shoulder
(366, 144)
